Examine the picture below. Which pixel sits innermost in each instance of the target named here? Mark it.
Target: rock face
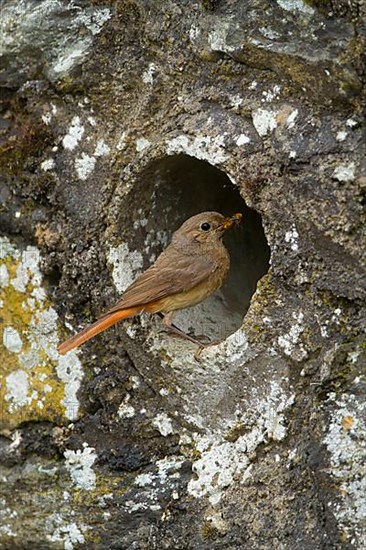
(120, 120)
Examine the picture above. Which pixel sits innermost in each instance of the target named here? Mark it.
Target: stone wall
(119, 120)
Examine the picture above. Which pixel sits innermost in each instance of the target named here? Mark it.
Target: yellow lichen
(30, 385)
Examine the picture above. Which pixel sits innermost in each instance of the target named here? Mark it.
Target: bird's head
(206, 227)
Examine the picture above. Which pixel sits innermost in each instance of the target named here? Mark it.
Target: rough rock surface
(119, 120)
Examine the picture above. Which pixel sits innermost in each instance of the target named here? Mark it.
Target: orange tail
(96, 328)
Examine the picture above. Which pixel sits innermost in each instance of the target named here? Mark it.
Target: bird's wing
(171, 274)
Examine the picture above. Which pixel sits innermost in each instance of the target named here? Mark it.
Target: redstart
(189, 270)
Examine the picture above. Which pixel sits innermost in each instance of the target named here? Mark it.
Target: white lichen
(95, 19)
(290, 342)
(167, 472)
(341, 135)
(202, 147)
(235, 346)
(264, 121)
(148, 75)
(126, 265)
(27, 270)
(17, 386)
(163, 423)
(154, 239)
(194, 33)
(101, 148)
(121, 143)
(353, 356)
(345, 172)
(291, 237)
(131, 332)
(42, 332)
(125, 410)
(16, 438)
(222, 461)
(4, 275)
(296, 5)
(80, 466)
(74, 134)
(236, 101)
(278, 401)
(217, 38)
(60, 530)
(351, 123)
(144, 479)
(270, 95)
(47, 165)
(7, 517)
(242, 140)
(7, 249)
(269, 33)
(290, 121)
(70, 372)
(84, 166)
(75, 50)
(142, 144)
(46, 118)
(140, 222)
(346, 443)
(12, 340)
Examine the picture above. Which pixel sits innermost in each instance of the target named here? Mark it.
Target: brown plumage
(191, 268)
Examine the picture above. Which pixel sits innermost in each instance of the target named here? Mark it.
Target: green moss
(208, 5)
(235, 432)
(191, 454)
(344, 370)
(41, 493)
(324, 6)
(264, 298)
(17, 154)
(71, 85)
(208, 531)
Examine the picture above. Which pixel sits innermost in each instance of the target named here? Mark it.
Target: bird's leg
(172, 329)
(162, 317)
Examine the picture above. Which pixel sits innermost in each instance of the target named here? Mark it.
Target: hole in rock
(168, 192)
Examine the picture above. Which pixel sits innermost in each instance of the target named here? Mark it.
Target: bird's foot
(200, 340)
(203, 346)
(175, 331)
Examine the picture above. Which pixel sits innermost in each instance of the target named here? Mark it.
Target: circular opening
(168, 192)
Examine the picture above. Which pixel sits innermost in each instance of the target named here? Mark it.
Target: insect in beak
(229, 222)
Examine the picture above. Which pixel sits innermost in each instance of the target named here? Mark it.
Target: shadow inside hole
(171, 190)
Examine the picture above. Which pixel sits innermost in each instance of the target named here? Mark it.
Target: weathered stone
(119, 121)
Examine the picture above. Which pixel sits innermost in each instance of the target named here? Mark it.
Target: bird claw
(200, 338)
(202, 346)
(197, 353)
(174, 331)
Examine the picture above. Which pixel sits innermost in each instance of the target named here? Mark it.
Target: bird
(191, 268)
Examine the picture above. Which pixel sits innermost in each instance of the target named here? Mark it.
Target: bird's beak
(229, 222)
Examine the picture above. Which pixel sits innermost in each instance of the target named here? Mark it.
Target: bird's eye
(205, 226)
